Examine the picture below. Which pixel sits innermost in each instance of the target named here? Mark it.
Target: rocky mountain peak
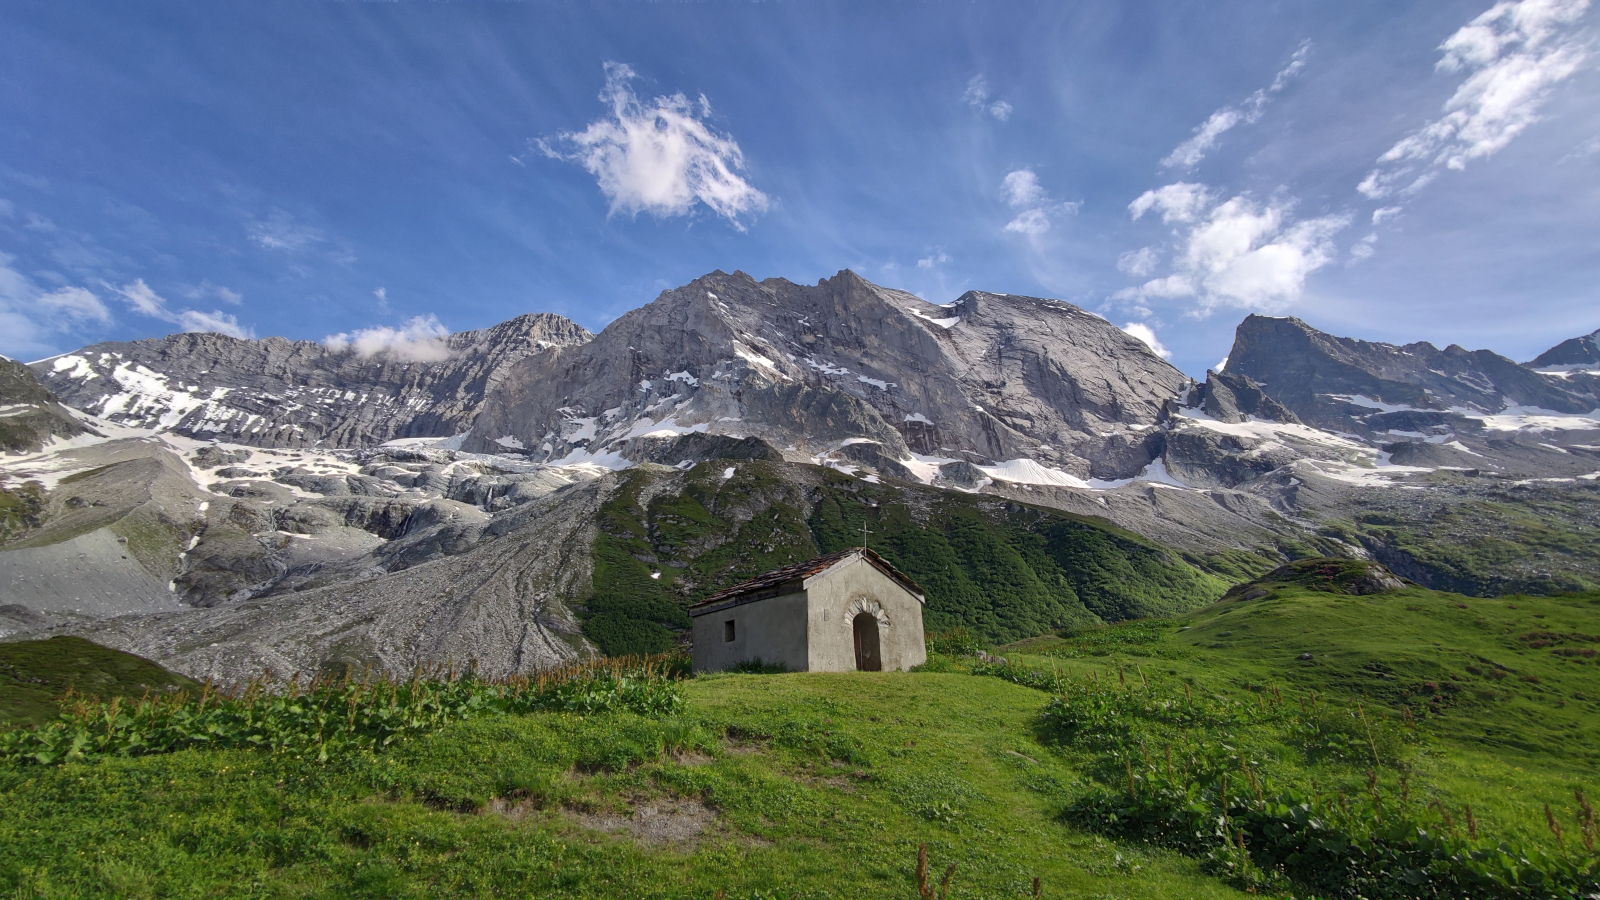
(1578, 353)
(29, 414)
(1365, 387)
(814, 369)
(278, 392)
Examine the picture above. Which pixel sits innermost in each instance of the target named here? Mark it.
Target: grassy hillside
(36, 674)
(1005, 570)
(1484, 713)
(1526, 537)
(793, 786)
(818, 786)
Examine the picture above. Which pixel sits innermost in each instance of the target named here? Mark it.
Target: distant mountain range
(531, 491)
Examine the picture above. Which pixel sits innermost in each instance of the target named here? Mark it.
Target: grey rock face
(29, 413)
(806, 368)
(277, 555)
(279, 393)
(498, 607)
(1482, 409)
(1579, 351)
(1229, 397)
(1339, 383)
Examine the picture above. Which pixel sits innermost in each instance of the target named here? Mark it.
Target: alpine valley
(516, 497)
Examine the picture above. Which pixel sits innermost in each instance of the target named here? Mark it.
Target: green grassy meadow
(34, 675)
(805, 785)
(825, 785)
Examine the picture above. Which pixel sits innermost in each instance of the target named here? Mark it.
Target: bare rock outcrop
(987, 378)
(281, 393)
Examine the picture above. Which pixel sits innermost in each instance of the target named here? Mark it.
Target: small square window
(727, 630)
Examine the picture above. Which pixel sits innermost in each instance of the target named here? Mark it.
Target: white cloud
(146, 301)
(1363, 249)
(143, 299)
(1021, 190)
(419, 339)
(1030, 222)
(1237, 253)
(207, 289)
(1516, 53)
(977, 96)
(281, 232)
(77, 304)
(659, 157)
(1384, 214)
(216, 320)
(1188, 154)
(933, 259)
(1147, 334)
(1179, 202)
(32, 319)
(1140, 262)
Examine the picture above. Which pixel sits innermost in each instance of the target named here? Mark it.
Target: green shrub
(330, 716)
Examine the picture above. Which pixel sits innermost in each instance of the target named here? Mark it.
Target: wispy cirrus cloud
(32, 318)
(1037, 209)
(145, 301)
(977, 96)
(1188, 154)
(280, 231)
(659, 156)
(1234, 253)
(418, 339)
(1515, 54)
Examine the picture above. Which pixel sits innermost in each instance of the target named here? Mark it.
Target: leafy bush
(330, 716)
(1364, 846)
(1192, 770)
(958, 641)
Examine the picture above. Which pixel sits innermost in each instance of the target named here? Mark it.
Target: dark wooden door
(867, 658)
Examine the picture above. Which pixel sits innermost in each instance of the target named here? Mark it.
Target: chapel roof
(801, 571)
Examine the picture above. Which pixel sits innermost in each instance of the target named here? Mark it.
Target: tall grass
(325, 716)
(1234, 782)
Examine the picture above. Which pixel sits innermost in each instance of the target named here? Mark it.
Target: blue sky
(381, 171)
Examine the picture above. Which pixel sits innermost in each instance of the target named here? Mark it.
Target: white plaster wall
(859, 585)
(771, 630)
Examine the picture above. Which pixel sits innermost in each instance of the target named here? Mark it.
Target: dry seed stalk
(923, 890)
(1444, 813)
(1472, 823)
(1591, 834)
(1377, 798)
(1555, 827)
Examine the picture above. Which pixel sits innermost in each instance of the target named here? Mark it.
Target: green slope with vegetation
(1474, 720)
(35, 675)
(1005, 570)
(1291, 739)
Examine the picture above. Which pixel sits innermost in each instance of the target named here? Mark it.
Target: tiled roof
(801, 571)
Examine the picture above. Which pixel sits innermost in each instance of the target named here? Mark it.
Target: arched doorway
(866, 630)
